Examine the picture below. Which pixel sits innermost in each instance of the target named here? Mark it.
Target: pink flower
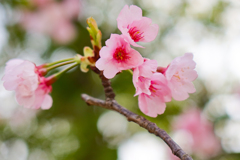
(38, 98)
(205, 144)
(180, 74)
(20, 74)
(116, 56)
(23, 77)
(134, 27)
(142, 76)
(154, 104)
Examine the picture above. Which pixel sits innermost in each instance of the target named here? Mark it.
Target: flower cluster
(27, 81)
(154, 85)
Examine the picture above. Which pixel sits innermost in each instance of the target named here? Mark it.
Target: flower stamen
(135, 34)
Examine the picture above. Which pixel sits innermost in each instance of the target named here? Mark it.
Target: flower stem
(53, 78)
(59, 65)
(60, 61)
(129, 70)
(57, 75)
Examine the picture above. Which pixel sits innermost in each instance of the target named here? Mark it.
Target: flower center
(153, 90)
(177, 76)
(120, 55)
(135, 34)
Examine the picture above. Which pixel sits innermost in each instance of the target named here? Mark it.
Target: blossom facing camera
(180, 74)
(31, 89)
(134, 27)
(154, 104)
(116, 56)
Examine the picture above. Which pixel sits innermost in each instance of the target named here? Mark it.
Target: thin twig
(141, 121)
(111, 104)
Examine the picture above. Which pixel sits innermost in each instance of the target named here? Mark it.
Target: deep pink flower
(116, 56)
(205, 144)
(180, 74)
(154, 104)
(134, 27)
(23, 77)
(142, 76)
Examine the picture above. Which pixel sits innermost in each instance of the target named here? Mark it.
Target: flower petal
(47, 102)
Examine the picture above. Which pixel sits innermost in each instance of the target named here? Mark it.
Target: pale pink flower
(20, 74)
(38, 98)
(180, 74)
(142, 76)
(205, 144)
(154, 104)
(116, 56)
(134, 27)
(23, 77)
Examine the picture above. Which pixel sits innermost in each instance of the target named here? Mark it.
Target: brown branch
(111, 104)
(141, 121)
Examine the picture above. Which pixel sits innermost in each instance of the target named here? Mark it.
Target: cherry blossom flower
(180, 74)
(204, 144)
(116, 56)
(134, 27)
(20, 74)
(154, 104)
(23, 77)
(40, 98)
(142, 76)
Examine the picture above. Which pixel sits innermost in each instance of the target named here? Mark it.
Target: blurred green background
(46, 30)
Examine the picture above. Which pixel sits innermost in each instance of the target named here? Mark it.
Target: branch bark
(111, 104)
